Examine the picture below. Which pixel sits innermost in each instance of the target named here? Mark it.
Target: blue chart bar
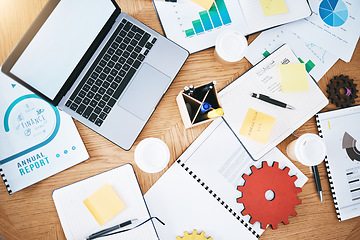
(206, 20)
(223, 11)
(215, 16)
(197, 26)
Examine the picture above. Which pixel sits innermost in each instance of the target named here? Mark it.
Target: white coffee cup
(309, 149)
(230, 46)
(152, 155)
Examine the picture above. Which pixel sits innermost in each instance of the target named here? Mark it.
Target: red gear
(253, 195)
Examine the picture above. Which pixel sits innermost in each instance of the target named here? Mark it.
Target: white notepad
(77, 221)
(264, 78)
(199, 190)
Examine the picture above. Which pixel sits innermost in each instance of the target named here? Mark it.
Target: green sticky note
(293, 77)
(273, 7)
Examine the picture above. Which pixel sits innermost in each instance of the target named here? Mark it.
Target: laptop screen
(61, 42)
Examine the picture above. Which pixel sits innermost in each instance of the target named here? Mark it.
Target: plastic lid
(310, 149)
(152, 155)
(231, 45)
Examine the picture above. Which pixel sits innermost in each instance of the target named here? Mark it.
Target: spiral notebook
(341, 133)
(199, 190)
(36, 139)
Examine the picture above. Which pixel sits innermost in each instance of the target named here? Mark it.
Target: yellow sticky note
(257, 125)
(293, 77)
(104, 204)
(273, 7)
(204, 3)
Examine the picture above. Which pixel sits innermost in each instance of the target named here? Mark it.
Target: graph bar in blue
(206, 20)
(214, 14)
(198, 26)
(223, 11)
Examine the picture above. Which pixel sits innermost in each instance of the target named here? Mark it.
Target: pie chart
(333, 12)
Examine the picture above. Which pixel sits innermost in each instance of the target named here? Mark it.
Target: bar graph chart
(217, 16)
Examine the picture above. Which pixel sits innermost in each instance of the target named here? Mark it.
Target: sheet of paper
(257, 21)
(293, 77)
(104, 204)
(334, 26)
(317, 60)
(204, 3)
(257, 126)
(273, 7)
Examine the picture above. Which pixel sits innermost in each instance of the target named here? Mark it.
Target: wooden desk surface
(31, 214)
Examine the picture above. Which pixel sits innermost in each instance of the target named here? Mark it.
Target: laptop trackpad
(144, 92)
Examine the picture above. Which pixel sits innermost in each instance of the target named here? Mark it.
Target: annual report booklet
(199, 191)
(341, 133)
(195, 28)
(264, 78)
(36, 139)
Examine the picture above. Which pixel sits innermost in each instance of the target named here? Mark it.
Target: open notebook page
(257, 21)
(264, 78)
(77, 221)
(219, 160)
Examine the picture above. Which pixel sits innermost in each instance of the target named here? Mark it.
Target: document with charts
(341, 133)
(264, 78)
(196, 28)
(199, 190)
(334, 26)
(317, 60)
(36, 139)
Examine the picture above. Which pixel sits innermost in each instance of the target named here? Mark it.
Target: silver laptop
(101, 66)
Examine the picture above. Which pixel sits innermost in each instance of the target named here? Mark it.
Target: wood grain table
(31, 214)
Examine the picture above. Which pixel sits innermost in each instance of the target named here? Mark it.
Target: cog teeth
(294, 178)
(253, 168)
(287, 170)
(252, 220)
(275, 165)
(265, 164)
(298, 201)
(244, 212)
(245, 177)
(239, 188)
(274, 226)
(293, 213)
(286, 221)
(202, 234)
(239, 200)
(298, 190)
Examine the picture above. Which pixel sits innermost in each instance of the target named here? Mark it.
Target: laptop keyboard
(112, 70)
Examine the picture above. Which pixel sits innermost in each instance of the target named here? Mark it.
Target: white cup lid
(310, 149)
(152, 155)
(231, 45)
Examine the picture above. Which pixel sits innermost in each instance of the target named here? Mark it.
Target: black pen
(317, 181)
(271, 101)
(102, 232)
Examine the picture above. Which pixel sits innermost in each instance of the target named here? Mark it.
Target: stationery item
(317, 60)
(203, 182)
(110, 229)
(104, 204)
(333, 26)
(271, 101)
(273, 7)
(195, 29)
(341, 133)
(257, 126)
(152, 155)
(93, 63)
(315, 171)
(264, 77)
(78, 223)
(293, 77)
(204, 3)
(230, 47)
(309, 149)
(199, 105)
(36, 139)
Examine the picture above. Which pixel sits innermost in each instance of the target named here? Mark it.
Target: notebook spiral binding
(328, 172)
(242, 221)
(5, 181)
